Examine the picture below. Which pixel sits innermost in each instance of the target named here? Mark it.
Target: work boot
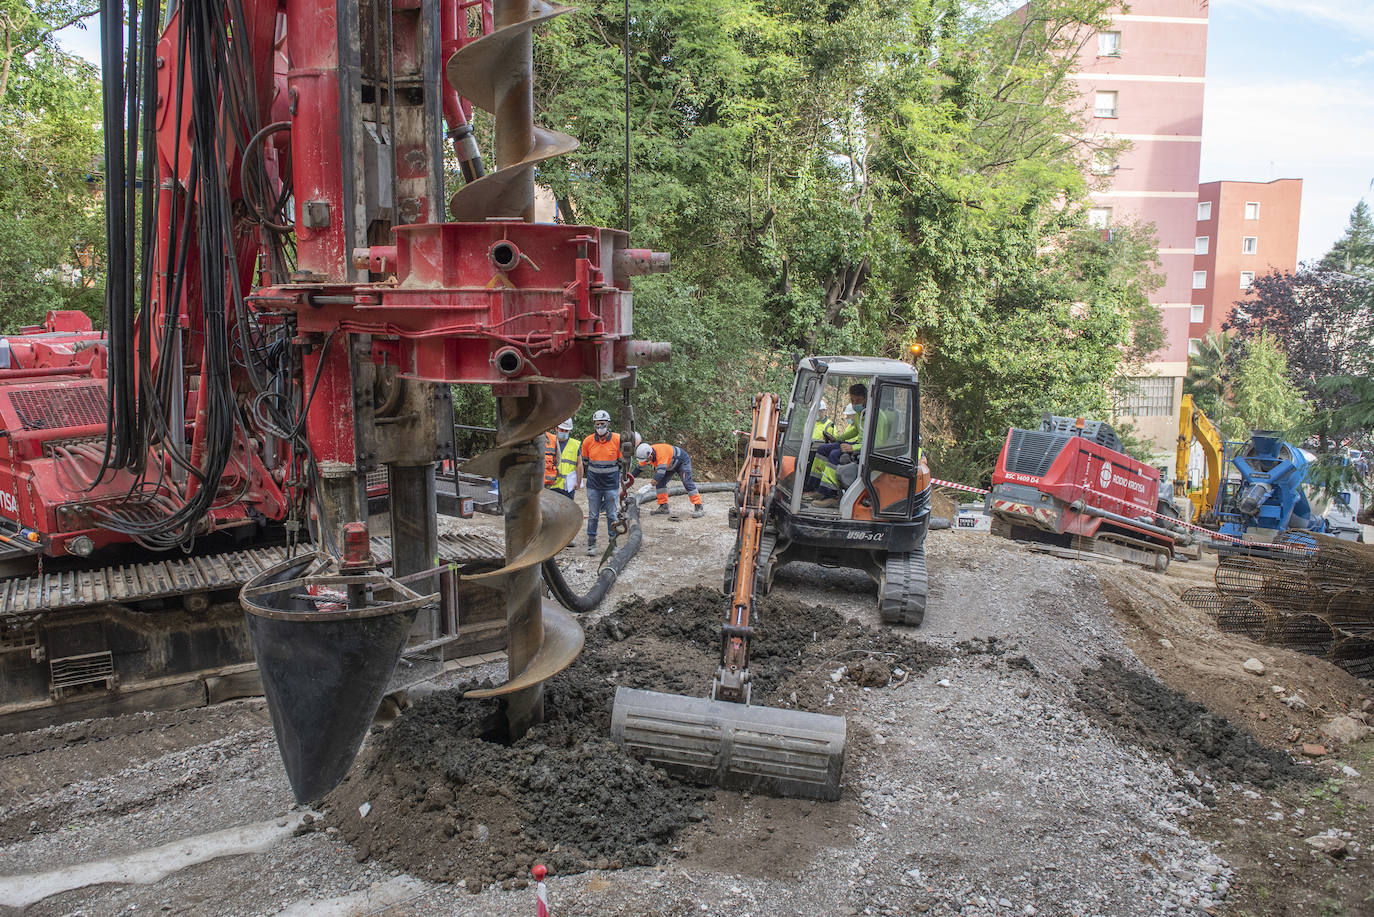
(698, 510)
(827, 502)
(660, 510)
(591, 547)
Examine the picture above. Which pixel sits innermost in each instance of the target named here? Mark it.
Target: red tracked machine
(1071, 483)
(289, 299)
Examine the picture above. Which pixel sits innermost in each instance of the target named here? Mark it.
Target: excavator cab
(866, 506)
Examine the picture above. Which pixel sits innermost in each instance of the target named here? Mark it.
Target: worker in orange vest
(601, 466)
(668, 460)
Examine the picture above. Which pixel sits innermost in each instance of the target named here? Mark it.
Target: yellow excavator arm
(1193, 426)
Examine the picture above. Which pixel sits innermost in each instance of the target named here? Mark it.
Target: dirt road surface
(1062, 736)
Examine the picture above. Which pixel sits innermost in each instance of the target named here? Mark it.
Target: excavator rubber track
(902, 593)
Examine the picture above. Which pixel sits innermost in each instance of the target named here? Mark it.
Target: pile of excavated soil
(442, 796)
(1161, 719)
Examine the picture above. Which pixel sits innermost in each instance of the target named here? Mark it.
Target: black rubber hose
(608, 574)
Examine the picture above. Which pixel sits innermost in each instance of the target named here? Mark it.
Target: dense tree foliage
(1324, 321)
(1353, 251)
(51, 221)
(1264, 397)
(846, 178)
(1209, 373)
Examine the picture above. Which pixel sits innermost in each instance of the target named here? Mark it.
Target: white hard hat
(566, 426)
(645, 452)
(824, 406)
(601, 416)
(849, 409)
(638, 439)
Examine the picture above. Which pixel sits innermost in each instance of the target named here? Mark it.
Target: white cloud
(1354, 15)
(1320, 132)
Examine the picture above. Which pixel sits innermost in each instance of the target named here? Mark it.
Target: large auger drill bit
(496, 73)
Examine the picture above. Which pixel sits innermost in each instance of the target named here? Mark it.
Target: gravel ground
(982, 786)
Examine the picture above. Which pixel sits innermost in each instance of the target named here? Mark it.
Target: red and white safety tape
(953, 486)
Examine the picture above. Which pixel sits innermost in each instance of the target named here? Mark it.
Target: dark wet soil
(1149, 714)
(446, 799)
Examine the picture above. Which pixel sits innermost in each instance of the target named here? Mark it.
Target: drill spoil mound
(442, 796)
(1161, 719)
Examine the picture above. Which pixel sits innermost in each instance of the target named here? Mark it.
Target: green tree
(1353, 251)
(845, 177)
(1265, 397)
(51, 221)
(1209, 373)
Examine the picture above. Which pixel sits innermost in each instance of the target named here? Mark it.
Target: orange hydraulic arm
(755, 490)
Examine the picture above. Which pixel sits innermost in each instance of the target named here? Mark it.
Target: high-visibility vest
(567, 462)
(550, 458)
(601, 461)
(821, 428)
(855, 430)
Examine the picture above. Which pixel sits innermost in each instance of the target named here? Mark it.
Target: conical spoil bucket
(324, 665)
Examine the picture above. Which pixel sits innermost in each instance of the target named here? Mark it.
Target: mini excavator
(724, 739)
(290, 296)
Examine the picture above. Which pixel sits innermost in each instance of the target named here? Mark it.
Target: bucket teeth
(560, 520)
(562, 643)
(485, 72)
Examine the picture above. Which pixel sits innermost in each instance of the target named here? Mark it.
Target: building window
(1147, 396)
(1100, 217)
(1194, 346)
(1195, 313)
(1104, 163)
(1199, 280)
(1109, 44)
(1246, 279)
(1249, 245)
(1252, 210)
(1200, 245)
(1204, 211)
(1104, 105)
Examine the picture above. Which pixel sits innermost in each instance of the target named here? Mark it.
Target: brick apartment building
(1244, 230)
(1142, 81)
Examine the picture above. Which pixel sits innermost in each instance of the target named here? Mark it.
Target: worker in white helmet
(601, 464)
(568, 466)
(668, 460)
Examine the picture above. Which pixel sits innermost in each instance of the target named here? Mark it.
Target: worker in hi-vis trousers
(668, 460)
(567, 461)
(601, 463)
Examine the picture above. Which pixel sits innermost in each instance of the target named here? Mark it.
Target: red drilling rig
(291, 293)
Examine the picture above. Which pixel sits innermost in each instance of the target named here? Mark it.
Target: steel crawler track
(72, 590)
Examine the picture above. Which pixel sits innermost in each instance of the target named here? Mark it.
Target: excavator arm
(752, 496)
(1194, 426)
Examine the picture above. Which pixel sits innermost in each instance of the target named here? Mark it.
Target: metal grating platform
(67, 590)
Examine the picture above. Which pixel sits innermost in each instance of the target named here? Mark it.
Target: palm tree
(1209, 372)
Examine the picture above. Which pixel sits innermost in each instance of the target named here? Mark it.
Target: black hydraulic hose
(608, 574)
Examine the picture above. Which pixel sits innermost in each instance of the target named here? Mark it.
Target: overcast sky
(1290, 94)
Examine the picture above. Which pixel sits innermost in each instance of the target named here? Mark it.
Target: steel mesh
(1245, 618)
(1305, 633)
(1206, 599)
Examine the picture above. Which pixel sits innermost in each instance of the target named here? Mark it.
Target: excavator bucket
(324, 665)
(733, 746)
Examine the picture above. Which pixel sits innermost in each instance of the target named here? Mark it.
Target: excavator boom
(725, 740)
